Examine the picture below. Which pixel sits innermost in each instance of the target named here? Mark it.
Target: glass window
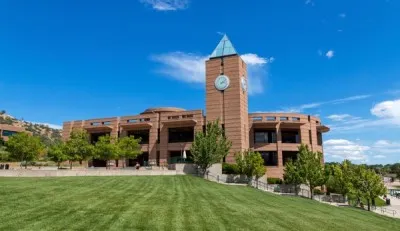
(142, 134)
(107, 123)
(183, 134)
(291, 137)
(8, 133)
(271, 118)
(264, 136)
(283, 118)
(296, 119)
(258, 118)
(132, 121)
(270, 158)
(319, 138)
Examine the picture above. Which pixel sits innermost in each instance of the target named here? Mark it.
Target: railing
(386, 210)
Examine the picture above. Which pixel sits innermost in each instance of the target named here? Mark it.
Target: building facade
(168, 132)
(8, 130)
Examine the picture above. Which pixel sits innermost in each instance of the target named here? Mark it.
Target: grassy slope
(166, 203)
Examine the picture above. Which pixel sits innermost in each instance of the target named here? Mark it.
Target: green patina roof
(224, 48)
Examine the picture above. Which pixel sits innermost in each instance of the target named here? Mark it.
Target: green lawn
(166, 203)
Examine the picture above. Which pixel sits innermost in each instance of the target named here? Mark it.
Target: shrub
(230, 169)
(274, 180)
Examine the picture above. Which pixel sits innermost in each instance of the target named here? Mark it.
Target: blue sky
(68, 60)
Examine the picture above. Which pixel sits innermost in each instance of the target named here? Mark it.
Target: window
(291, 137)
(270, 158)
(158, 136)
(309, 135)
(319, 138)
(284, 118)
(95, 123)
(8, 133)
(258, 118)
(271, 118)
(264, 136)
(142, 134)
(288, 155)
(177, 135)
(132, 121)
(296, 119)
(173, 117)
(144, 119)
(94, 137)
(187, 116)
(107, 123)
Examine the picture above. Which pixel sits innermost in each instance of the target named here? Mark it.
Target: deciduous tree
(106, 149)
(57, 154)
(251, 164)
(78, 147)
(310, 167)
(292, 175)
(210, 147)
(129, 148)
(24, 147)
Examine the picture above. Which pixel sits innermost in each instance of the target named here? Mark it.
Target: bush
(230, 169)
(318, 192)
(274, 180)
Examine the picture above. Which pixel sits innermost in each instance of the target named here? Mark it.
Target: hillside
(46, 134)
(166, 203)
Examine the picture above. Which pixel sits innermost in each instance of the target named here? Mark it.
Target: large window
(319, 138)
(264, 136)
(177, 135)
(291, 137)
(94, 137)
(287, 155)
(270, 158)
(142, 134)
(8, 133)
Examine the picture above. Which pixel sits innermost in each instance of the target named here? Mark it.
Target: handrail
(384, 210)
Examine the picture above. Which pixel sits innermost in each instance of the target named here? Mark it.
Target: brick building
(8, 130)
(167, 132)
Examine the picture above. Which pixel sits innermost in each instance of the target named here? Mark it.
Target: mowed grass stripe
(166, 203)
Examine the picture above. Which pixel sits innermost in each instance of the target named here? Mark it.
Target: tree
(342, 178)
(310, 168)
(24, 147)
(292, 175)
(78, 147)
(251, 164)
(129, 148)
(106, 149)
(4, 155)
(368, 185)
(209, 147)
(57, 154)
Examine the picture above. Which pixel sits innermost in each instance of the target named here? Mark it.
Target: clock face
(243, 82)
(222, 82)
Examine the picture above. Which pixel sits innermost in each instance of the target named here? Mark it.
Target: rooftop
(224, 48)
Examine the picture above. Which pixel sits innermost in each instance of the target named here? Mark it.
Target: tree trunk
(70, 164)
(58, 165)
(369, 205)
(312, 192)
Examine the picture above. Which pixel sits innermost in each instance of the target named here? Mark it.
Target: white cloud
(345, 149)
(329, 54)
(167, 5)
(340, 117)
(388, 110)
(386, 146)
(318, 104)
(190, 68)
(342, 15)
(379, 156)
(54, 126)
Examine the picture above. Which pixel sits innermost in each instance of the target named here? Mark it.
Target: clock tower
(226, 95)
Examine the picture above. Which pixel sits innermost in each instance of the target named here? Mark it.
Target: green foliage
(340, 180)
(106, 149)
(4, 155)
(24, 147)
(57, 154)
(367, 184)
(209, 147)
(6, 120)
(251, 164)
(318, 192)
(272, 180)
(230, 169)
(292, 175)
(310, 167)
(129, 147)
(78, 147)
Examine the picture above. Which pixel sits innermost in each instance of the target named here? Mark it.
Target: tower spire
(224, 48)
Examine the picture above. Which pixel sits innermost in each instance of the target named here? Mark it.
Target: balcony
(323, 128)
(92, 126)
(180, 120)
(136, 122)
